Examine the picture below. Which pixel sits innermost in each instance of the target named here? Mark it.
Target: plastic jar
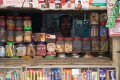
(86, 45)
(94, 31)
(27, 36)
(31, 49)
(10, 49)
(95, 45)
(77, 45)
(2, 34)
(19, 23)
(10, 22)
(104, 44)
(10, 35)
(41, 49)
(21, 49)
(51, 47)
(60, 45)
(94, 18)
(27, 23)
(2, 49)
(2, 21)
(18, 36)
(68, 45)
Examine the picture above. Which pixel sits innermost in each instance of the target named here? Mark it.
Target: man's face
(66, 27)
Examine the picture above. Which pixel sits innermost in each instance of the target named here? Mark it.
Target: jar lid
(10, 42)
(68, 38)
(103, 23)
(86, 38)
(10, 17)
(27, 17)
(2, 16)
(77, 38)
(60, 38)
(19, 17)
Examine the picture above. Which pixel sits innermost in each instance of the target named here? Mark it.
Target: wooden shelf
(33, 10)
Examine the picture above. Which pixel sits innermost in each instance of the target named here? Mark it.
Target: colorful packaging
(47, 74)
(75, 74)
(14, 3)
(43, 4)
(56, 74)
(66, 4)
(94, 75)
(93, 4)
(112, 75)
(102, 74)
(67, 74)
(84, 74)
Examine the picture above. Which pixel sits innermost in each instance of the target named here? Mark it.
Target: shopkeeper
(65, 26)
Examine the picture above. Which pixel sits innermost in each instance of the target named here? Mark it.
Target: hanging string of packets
(112, 15)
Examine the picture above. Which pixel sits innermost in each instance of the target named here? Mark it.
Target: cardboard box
(14, 3)
(93, 4)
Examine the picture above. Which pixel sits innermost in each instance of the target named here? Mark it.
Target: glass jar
(27, 36)
(19, 24)
(2, 34)
(10, 49)
(94, 31)
(104, 44)
(77, 41)
(27, 23)
(20, 49)
(10, 35)
(103, 31)
(18, 36)
(41, 49)
(10, 22)
(60, 45)
(2, 49)
(86, 45)
(68, 45)
(2, 21)
(31, 49)
(95, 44)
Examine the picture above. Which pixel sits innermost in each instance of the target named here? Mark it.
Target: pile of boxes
(56, 4)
